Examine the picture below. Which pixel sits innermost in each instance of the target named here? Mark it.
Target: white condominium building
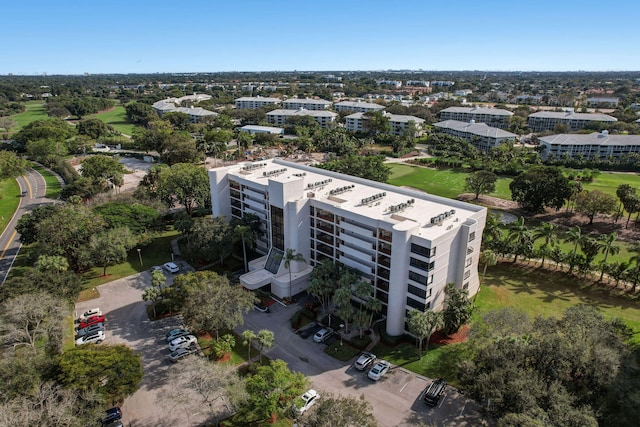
(495, 117)
(596, 145)
(255, 102)
(306, 103)
(357, 106)
(172, 105)
(399, 123)
(408, 244)
(480, 135)
(280, 117)
(547, 120)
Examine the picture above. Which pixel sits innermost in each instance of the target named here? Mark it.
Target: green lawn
(116, 118)
(608, 182)
(9, 201)
(441, 182)
(548, 293)
(35, 111)
(156, 253)
(53, 185)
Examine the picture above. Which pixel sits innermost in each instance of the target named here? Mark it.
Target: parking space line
(463, 406)
(402, 389)
(442, 400)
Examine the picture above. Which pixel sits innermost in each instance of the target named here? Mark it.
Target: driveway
(395, 398)
(127, 323)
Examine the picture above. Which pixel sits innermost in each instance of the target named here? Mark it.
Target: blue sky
(138, 36)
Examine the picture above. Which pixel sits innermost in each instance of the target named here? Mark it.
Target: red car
(90, 321)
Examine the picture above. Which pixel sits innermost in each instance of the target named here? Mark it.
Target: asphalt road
(34, 185)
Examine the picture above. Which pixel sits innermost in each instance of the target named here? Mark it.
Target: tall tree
(368, 167)
(422, 324)
(11, 165)
(249, 336)
(607, 245)
(548, 232)
(458, 308)
(290, 256)
(110, 247)
(103, 170)
(244, 235)
(591, 203)
(481, 181)
(345, 411)
(266, 339)
(521, 237)
(93, 128)
(184, 184)
(575, 236)
(204, 293)
(540, 187)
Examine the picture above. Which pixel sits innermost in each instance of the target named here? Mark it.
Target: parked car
(112, 414)
(322, 335)
(304, 402)
(182, 342)
(180, 353)
(90, 321)
(90, 329)
(364, 360)
(432, 394)
(114, 423)
(176, 333)
(155, 268)
(94, 337)
(309, 331)
(378, 370)
(90, 313)
(171, 267)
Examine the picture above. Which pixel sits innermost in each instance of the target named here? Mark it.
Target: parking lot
(395, 398)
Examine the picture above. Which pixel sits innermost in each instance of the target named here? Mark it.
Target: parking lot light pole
(140, 256)
(340, 332)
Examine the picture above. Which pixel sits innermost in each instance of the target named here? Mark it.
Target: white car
(171, 267)
(304, 402)
(176, 333)
(95, 337)
(322, 335)
(182, 342)
(364, 360)
(378, 370)
(180, 353)
(89, 313)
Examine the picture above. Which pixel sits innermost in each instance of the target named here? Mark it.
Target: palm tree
(618, 270)
(521, 236)
(606, 243)
(244, 234)
(574, 235)
(290, 256)
(492, 232)
(548, 232)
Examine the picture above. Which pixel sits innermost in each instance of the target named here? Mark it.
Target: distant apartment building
(603, 102)
(494, 117)
(172, 105)
(253, 129)
(393, 83)
(528, 99)
(356, 122)
(306, 103)
(407, 244)
(281, 117)
(480, 135)
(596, 145)
(463, 92)
(548, 120)
(442, 83)
(418, 83)
(357, 106)
(255, 102)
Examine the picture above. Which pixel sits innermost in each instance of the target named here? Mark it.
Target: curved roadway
(34, 188)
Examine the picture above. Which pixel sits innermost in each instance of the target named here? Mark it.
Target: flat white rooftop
(377, 201)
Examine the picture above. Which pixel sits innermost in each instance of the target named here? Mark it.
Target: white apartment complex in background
(172, 105)
(603, 102)
(255, 102)
(253, 129)
(325, 118)
(408, 244)
(357, 106)
(547, 120)
(306, 103)
(596, 145)
(494, 117)
(356, 122)
(480, 135)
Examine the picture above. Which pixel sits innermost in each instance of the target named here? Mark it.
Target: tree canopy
(540, 187)
(368, 167)
(184, 184)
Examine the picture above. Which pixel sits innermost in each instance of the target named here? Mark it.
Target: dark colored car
(432, 394)
(112, 417)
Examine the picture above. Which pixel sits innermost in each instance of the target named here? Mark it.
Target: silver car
(90, 329)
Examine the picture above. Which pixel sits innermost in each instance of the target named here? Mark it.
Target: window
(430, 281)
(422, 265)
(277, 228)
(465, 286)
(421, 250)
(472, 236)
(417, 291)
(418, 277)
(416, 304)
(467, 274)
(469, 262)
